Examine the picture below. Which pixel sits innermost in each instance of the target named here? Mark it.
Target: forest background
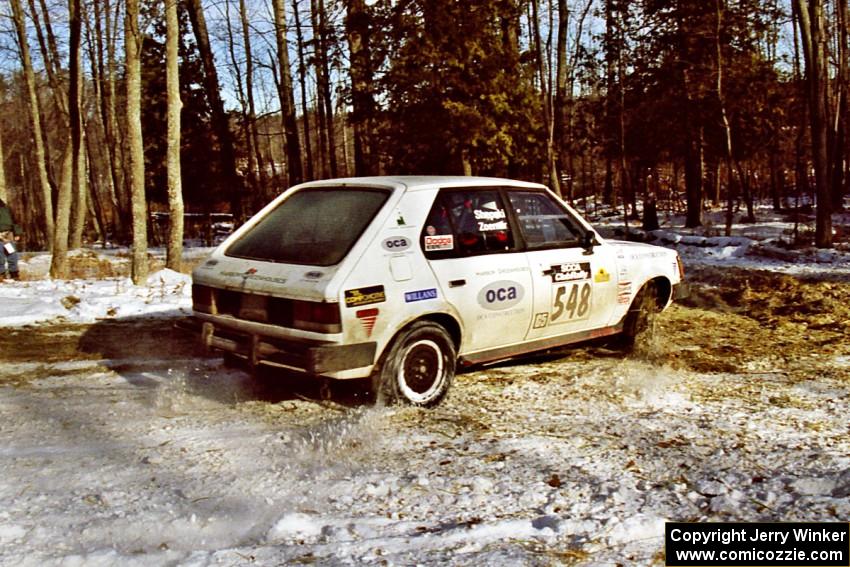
(119, 116)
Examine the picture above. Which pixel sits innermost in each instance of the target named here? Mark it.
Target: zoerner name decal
(495, 218)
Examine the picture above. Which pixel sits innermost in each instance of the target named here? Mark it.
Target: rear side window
(465, 223)
(542, 222)
(314, 227)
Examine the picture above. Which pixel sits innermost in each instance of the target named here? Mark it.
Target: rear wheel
(418, 368)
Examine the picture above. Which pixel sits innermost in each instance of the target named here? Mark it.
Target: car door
(574, 289)
(471, 249)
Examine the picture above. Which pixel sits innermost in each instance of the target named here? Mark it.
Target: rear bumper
(261, 343)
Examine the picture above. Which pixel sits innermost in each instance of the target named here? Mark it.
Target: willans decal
(420, 295)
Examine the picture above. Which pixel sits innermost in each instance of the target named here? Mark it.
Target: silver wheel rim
(421, 365)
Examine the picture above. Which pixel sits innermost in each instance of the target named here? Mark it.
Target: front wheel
(418, 368)
(641, 315)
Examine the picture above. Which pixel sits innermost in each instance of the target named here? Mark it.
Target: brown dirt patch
(735, 320)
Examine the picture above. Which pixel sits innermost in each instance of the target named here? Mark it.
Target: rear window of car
(313, 227)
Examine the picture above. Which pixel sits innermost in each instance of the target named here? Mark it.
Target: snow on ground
(166, 293)
(762, 245)
(162, 456)
(567, 462)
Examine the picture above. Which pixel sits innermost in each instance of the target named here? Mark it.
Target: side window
(466, 223)
(543, 222)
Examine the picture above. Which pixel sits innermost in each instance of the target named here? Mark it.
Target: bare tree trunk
(70, 162)
(115, 145)
(559, 109)
(219, 118)
(35, 120)
(625, 177)
(101, 205)
(814, 50)
(612, 54)
(253, 180)
(133, 49)
(732, 164)
(4, 194)
(839, 158)
(357, 25)
(546, 95)
(323, 81)
(302, 79)
(102, 194)
(287, 99)
(81, 195)
(50, 57)
(252, 109)
(174, 248)
(694, 152)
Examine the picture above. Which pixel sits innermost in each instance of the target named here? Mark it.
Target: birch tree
(174, 249)
(135, 149)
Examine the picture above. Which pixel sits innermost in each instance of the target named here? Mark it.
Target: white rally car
(402, 278)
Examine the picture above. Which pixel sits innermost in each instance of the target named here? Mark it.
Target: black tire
(418, 367)
(640, 316)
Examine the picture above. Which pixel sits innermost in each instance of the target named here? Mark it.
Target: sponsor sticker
(602, 276)
(491, 220)
(313, 275)
(365, 296)
(252, 275)
(396, 244)
(624, 293)
(501, 295)
(420, 295)
(368, 317)
(540, 320)
(440, 242)
(570, 272)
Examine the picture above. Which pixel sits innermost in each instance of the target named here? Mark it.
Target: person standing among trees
(10, 234)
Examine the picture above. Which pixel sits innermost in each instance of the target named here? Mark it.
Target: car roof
(421, 182)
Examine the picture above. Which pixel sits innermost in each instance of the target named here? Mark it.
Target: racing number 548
(576, 305)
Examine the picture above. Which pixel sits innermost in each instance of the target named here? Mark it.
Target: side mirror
(587, 241)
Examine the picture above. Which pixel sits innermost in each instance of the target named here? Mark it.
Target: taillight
(681, 268)
(315, 316)
(202, 298)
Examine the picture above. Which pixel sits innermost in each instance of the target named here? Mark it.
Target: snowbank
(166, 293)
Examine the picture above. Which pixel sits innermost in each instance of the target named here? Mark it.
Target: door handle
(457, 283)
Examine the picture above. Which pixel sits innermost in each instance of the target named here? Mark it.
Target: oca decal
(396, 244)
(501, 295)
